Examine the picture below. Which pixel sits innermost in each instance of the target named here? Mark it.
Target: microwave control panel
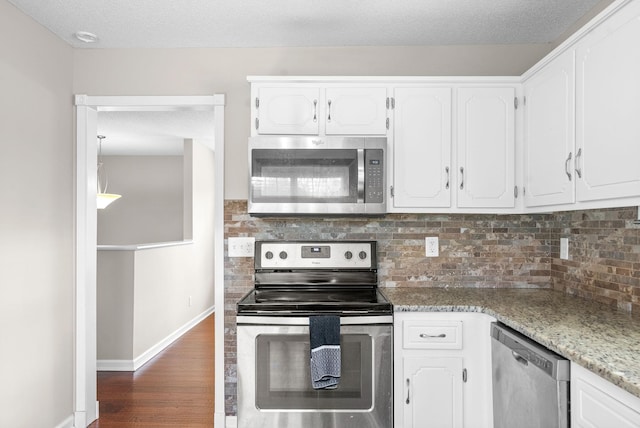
(374, 175)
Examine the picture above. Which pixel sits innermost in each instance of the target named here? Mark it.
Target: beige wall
(151, 207)
(166, 277)
(208, 71)
(36, 224)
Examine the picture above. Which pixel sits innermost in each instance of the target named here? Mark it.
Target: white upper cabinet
(607, 114)
(422, 147)
(549, 134)
(486, 147)
(315, 110)
(356, 111)
(287, 110)
(444, 161)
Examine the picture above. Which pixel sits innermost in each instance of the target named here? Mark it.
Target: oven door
(274, 385)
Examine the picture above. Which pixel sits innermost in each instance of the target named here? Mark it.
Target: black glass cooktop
(309, 301)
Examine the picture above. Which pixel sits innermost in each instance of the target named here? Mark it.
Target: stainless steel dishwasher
(530, 382)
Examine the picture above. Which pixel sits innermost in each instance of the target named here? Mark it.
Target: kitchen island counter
(604, 340)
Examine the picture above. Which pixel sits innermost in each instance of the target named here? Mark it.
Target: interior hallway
(174, 389)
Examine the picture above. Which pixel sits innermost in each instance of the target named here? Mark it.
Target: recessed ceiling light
(86, 37)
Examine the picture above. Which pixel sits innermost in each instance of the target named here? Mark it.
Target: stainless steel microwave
(317, 175)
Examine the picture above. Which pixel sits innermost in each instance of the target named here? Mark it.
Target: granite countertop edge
(599, 353)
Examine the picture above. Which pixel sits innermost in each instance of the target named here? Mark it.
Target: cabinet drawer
(432, 334)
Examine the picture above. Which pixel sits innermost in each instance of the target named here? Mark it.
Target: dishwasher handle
(519, 358)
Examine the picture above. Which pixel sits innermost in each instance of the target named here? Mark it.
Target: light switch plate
(431, 246)
(564, 248)
(241, 246)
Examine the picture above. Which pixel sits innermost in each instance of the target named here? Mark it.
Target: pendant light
(104, 198)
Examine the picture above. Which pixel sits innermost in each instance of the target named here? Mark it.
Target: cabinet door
(433, 391)
(486, 148)
(422, 147)
(608, 124)
(597, 403)
(356, 111)
(549, 134)
(288, 110)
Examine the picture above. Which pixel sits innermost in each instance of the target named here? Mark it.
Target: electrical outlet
(564, 248)
(431, 246)
(241, 246)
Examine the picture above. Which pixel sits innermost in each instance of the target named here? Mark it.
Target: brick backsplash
(475, 251)
(604, 256)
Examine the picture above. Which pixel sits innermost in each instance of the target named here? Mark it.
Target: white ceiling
(262, 23)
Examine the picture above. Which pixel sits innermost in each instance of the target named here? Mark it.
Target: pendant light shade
(103, 198)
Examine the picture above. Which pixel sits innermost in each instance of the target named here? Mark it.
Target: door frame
(85, 404)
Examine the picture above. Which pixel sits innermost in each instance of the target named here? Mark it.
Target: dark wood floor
(174, 389)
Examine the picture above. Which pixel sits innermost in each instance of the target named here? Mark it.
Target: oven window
(308, 176)
(283, 379)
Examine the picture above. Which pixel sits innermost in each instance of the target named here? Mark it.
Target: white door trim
(87, 107)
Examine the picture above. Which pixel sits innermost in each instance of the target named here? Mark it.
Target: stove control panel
(316, 255)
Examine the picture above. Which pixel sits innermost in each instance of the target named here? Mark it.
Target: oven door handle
(361, 176)
(304, 321)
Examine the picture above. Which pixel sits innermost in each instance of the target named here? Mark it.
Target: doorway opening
(87, 109)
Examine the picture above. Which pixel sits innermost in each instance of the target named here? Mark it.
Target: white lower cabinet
(433, 391)
(442, 370)
(597, 403)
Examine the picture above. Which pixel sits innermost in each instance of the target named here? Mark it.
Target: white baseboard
(133, 365)
(231, 422)
(67, 423)
(115, 366)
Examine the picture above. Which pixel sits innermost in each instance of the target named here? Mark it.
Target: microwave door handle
(360, 176)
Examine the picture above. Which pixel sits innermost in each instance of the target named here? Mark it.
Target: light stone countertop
(601, 339)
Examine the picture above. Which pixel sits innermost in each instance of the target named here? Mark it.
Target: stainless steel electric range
(296, 280)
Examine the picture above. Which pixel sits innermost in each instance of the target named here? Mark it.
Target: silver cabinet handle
(578, 156)
(461, 178)
(432, 336)
(566, 166)
(315, 110)
(408, 389)
(446, 169)
(329, 111)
